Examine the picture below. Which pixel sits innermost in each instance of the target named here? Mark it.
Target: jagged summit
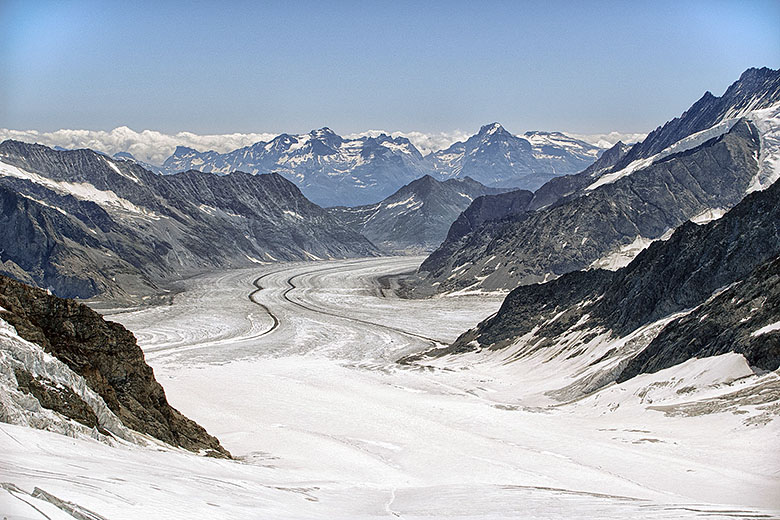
(496, 157)
(184, 150)
(491, 129)
(322, 132)
(332, 170)
(755, 89)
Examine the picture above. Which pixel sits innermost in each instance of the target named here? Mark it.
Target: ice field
(292, 367)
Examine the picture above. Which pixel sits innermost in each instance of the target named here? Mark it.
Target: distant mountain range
(334, 171)
(696, 167)
(416, 217)
(82, 224)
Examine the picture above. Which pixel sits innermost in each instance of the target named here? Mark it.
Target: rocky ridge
(707, 290)
(505, 239)
(335, 171)
(577, 231)
(82, 224)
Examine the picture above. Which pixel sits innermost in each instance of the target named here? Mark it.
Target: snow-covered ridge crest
(80, 190)
(20, 408)
(692, 141)
(766, 120)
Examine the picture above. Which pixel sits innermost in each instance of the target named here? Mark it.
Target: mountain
(329, 169)
(495, 157)
(567, 185)
(127, 156)
(83, 224)
(98, 377)
(708, 290)
(577, 232)
(334, 171)
(416, 217)
(509, 204)
(607, 213)
(756, 89)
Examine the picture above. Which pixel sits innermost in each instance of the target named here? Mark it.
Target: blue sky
(217, 67)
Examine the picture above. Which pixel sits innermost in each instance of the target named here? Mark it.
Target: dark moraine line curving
(259, 288)
(434, 342)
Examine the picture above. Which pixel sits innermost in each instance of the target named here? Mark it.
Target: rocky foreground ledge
(109, 359)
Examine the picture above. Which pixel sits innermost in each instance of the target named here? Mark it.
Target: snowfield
(292, 367)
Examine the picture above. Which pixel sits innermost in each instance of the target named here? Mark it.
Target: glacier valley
(293, 366)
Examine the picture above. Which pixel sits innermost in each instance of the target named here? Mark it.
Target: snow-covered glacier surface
(292, 367)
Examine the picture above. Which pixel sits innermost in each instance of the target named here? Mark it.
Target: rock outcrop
(107, 356)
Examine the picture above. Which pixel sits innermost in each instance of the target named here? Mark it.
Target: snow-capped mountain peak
(333, 170)
(491, 129)
(496, 157)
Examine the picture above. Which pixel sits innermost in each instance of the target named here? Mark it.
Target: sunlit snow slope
(300, 383)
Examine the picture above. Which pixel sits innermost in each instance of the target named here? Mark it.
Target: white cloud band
(149, 145)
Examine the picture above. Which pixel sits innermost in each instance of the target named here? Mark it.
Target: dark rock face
(680, 273)
(107, 356)
(487, 208)
(60, 399)
(668, 277)
(529, 247)
(730, 322)
(529, 306)
(140, 229)
(416, 217)
(495, 209)
(568, 185)
(67, 253)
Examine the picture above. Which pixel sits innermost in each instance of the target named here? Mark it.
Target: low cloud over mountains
(154, 147)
